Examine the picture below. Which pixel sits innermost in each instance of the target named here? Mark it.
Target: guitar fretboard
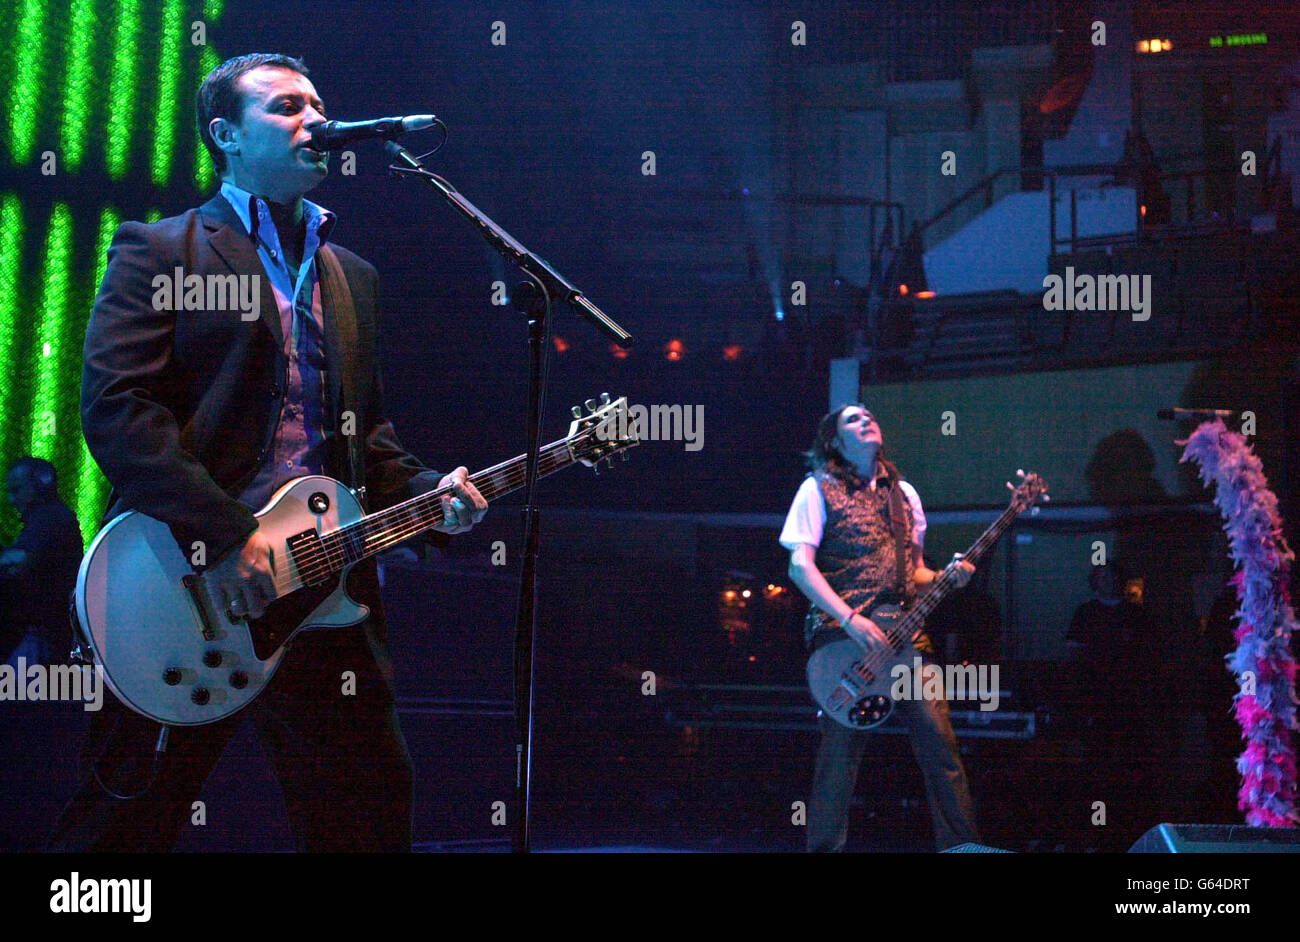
(386, 528)
(906, 628)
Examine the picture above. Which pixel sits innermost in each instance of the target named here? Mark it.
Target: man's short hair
(219, 95)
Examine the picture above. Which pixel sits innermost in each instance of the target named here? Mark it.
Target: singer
(197, 418)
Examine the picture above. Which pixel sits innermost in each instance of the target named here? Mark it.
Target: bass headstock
(1031, 489)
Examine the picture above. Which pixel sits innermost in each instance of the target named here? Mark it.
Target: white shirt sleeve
(807, 517)
(918, 515)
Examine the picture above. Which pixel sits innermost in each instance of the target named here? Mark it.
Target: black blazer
(180, 407)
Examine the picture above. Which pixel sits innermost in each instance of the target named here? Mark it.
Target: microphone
(333, 135)
(1198, 415)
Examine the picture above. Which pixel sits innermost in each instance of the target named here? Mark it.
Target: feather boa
(1265, 622)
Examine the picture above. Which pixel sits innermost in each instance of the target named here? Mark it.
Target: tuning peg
(604, 399)
(577, 412)
(1020, 473)
(591, 405)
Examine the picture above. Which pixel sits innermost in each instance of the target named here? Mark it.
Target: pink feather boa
(1265, 622)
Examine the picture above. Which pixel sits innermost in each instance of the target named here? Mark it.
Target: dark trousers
(935, 746)
(340, 759)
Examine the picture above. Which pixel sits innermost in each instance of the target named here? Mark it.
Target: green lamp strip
(170, 38)
(11, 257)
(204, 173)
(82, 30)
(51, 352)
(25, 90)
(122, 88)
(92, 487)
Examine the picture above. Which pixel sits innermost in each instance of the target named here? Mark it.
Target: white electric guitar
(170, 654)
(851, 687)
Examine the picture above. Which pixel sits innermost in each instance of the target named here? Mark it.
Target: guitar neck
(386, 528)
(905, 629)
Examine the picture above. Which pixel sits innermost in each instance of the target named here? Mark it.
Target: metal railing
(1115, 174)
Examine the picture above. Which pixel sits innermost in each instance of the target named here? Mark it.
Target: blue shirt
(299, 445)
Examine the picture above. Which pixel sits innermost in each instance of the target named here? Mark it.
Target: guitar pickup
(308, 557)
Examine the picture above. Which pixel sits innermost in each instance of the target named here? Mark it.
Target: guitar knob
(591, 405)
(200, 696)
(239, 680)
(212, 658)
(172, 676)
(577, 412)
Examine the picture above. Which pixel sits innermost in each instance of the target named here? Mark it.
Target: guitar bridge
(195, 589)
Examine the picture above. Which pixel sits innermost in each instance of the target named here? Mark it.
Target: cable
(159, 748)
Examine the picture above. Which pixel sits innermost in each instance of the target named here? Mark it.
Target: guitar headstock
(1031, 488)
(601, 431)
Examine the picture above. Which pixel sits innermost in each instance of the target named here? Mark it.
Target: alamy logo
(952, 682)
(1098, 293)
(76, 895)
(657, 423)
(181, 292)
(73, 682)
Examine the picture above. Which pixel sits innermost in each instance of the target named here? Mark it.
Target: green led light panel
(75, 76)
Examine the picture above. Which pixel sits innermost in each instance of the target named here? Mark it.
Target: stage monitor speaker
(1217, 839)
(972, 848)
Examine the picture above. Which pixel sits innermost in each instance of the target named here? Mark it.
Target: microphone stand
(534, 298)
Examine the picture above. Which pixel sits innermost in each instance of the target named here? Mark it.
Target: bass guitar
(853, 688)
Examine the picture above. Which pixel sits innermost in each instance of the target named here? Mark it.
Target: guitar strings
(331, 551)
(332, 554)
(336, 552)
(874, 662)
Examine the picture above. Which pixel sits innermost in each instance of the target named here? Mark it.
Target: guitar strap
(898, 524)
(342, 316)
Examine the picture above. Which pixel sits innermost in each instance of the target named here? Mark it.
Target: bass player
(846, 526)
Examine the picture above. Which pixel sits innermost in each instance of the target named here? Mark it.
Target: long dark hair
(824, 453)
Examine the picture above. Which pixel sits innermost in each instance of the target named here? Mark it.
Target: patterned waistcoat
(857, 551)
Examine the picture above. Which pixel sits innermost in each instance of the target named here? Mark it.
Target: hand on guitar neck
(243, 582)
(465, 506)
